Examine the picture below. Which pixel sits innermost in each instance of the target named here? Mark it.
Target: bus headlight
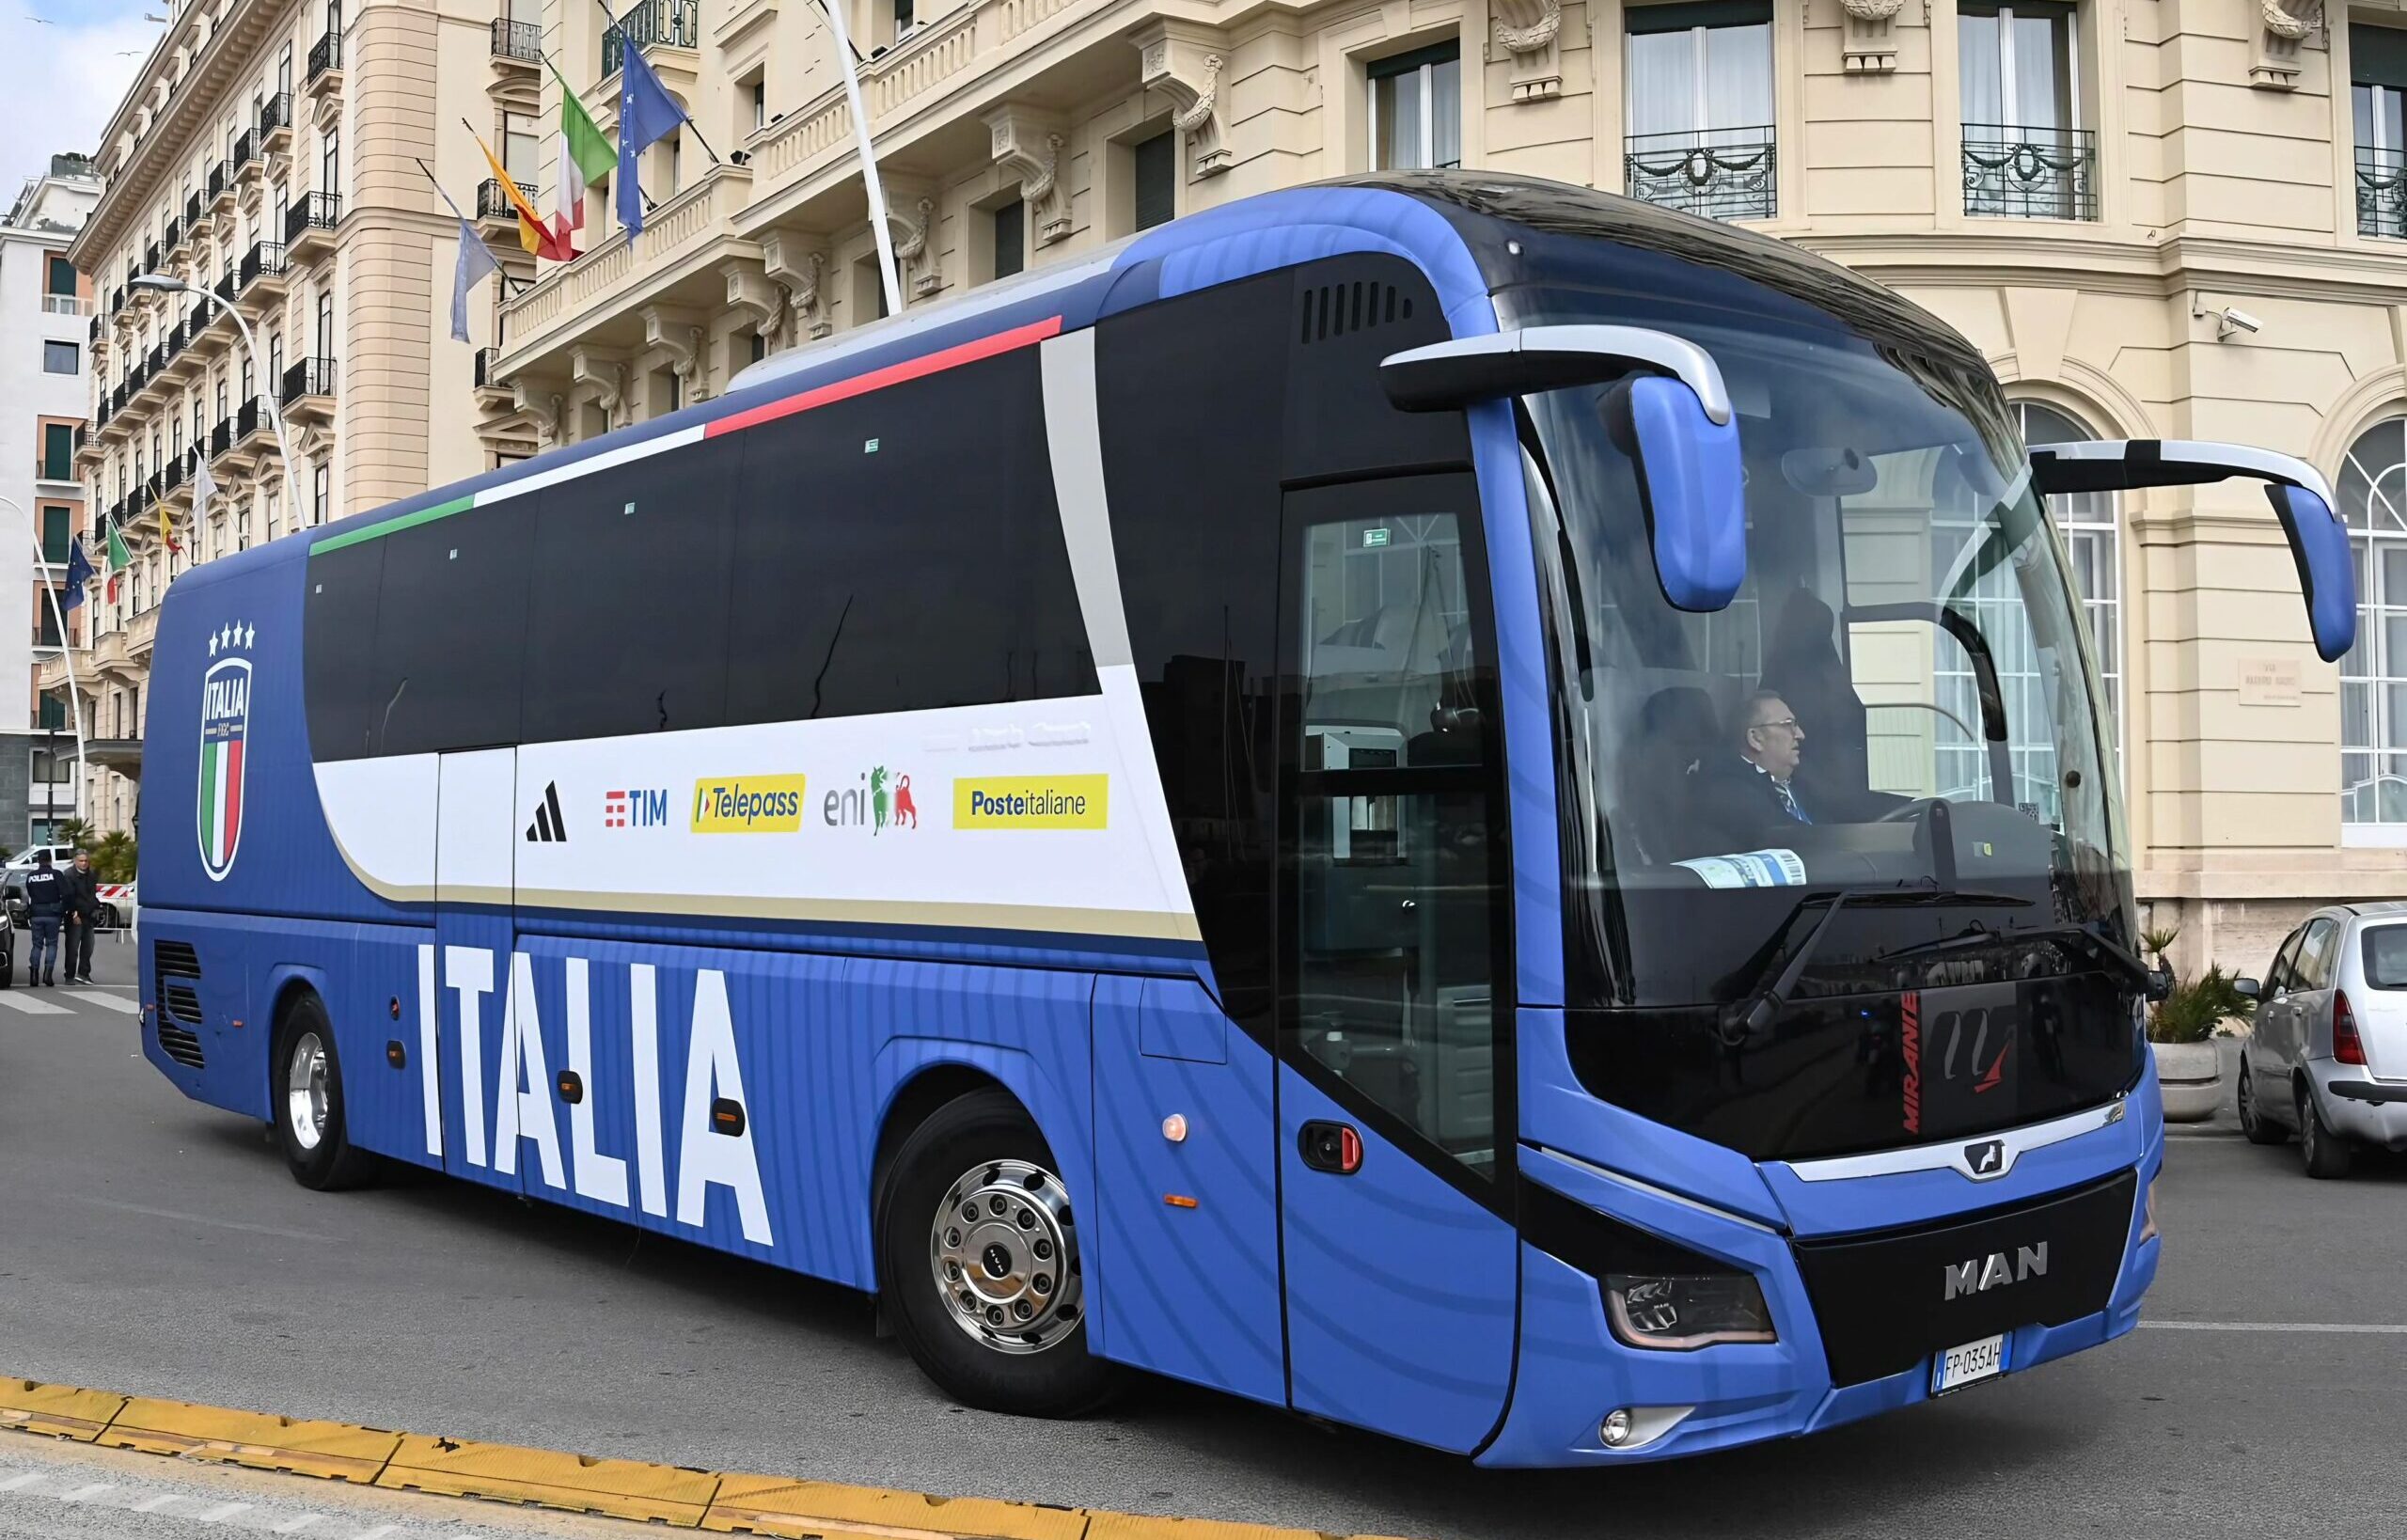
(1675, 1312)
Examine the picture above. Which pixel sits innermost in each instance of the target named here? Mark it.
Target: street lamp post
(161, 283)
(65, 649)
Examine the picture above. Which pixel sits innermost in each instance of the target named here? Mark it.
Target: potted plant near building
(2184, 1027)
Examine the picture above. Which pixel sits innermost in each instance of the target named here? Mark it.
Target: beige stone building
(268, 153)
(2159, 218)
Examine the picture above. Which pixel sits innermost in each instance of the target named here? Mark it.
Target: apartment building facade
(278, 159)
(2158, 218)
(43, 387)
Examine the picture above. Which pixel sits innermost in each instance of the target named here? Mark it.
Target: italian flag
(221, 799)
(585, 158)
(120, 559)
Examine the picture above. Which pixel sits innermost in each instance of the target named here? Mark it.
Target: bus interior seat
(1677, 728)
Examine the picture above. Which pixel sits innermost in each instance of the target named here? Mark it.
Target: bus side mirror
(2302, 500)
(1670, 412)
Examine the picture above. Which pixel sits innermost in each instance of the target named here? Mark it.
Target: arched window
(2087, 520)
(2373, 677)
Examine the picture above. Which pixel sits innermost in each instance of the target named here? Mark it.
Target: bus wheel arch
(953, 1128)
(305, 1095)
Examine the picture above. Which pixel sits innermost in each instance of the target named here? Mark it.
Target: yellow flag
(532, 234)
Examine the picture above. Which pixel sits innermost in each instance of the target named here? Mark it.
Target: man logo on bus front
(225, 725)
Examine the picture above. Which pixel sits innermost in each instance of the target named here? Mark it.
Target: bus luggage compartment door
(476, 842)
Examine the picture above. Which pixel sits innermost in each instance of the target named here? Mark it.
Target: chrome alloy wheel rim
(304, 1091)
(1005, 1257)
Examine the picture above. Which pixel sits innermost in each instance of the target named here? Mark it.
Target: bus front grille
(176, 978)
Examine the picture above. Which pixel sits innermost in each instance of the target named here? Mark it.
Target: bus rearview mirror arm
(1668, 409)
(2302, 500)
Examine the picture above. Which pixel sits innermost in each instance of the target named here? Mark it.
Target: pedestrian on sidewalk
(82, 916)
(45, 905)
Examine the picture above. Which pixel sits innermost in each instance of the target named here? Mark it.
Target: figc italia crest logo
(225, 724)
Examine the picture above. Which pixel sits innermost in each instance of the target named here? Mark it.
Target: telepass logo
(225, 726)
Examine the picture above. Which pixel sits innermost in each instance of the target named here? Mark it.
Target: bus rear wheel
(978, 1248)
(307, 1094)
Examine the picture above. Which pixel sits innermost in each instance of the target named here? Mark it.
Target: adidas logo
(549, 827)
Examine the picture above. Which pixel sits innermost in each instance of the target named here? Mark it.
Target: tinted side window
(451, 631)
(628, 624)
(2314, 955)
(900, 551)
(1195, 530)
(2283, 974)
(2386, 957)
(338, 650)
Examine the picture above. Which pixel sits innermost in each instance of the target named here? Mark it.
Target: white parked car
(2328, 1058)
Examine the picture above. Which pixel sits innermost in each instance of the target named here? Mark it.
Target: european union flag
(647, 114)
(79, 571)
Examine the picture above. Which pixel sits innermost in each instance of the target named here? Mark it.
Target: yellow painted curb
(782, 1506)
(660, 1494)
(262, 1440)
(57, 1411)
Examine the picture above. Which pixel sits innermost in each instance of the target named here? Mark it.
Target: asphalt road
(154, 1246)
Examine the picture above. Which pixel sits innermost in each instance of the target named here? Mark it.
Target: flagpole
(565, 93)
(887, 272)
(65, 649)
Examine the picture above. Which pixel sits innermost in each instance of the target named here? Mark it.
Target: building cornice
(229, 51)
(1951, 259)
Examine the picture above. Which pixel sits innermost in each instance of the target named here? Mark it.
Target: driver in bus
(1747, 800)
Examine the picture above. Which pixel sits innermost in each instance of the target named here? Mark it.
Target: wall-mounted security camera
(2233, 320)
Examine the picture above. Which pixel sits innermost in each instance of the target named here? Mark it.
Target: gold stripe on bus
(1130, 924)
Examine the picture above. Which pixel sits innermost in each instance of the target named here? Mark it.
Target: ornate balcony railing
(2381, 193)
(192, 212)
(493, 203)
(309, 377)
(325, 55)
(1716, 173)
(485, 359)
(276, 115)
(2014, 172)
(675, 23)
(221, 438)
(246, 149)
(521, 40)
(313, 211)
(264, 259)
(219, 183)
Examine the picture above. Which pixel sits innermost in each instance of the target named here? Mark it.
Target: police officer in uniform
(46, 904)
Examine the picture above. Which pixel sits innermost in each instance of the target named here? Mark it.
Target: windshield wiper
(1754, 1015)
(2104, 948)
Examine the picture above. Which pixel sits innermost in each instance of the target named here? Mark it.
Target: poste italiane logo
(224, 727)
(747, 804)
(1031, 802)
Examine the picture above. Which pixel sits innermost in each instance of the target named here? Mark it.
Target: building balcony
(196, 208)
(308, 393)
(151, 258)
(220, 198)
(2021, 172)
(496, 217)
(324, 80)
(221, 439)
(650, 24)
(177, 237)
(309, 226)
(1712, 173)
(275, 124)
(247, 161)
(260, 277)
(2381, 193)
(517, 45)
(252, 435)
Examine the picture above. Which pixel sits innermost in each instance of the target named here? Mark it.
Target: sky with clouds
(65, 64)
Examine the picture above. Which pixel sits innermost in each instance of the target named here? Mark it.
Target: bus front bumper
(1861, 1317)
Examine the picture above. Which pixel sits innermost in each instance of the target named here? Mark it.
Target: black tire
(2253, 1121)
(2326, 1154)
(323, 1161)
(986, 1143)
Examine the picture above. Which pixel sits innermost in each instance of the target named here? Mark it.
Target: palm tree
(114, 856)
(74, 832)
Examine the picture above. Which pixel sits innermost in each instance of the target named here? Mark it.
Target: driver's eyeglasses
(1787, 724)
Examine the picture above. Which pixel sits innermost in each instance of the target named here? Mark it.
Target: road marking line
(2328, 1326)
(80, 1493)
(152, 1505)
(30, 1006)
(15, 1482)
(377, 1532)
(223, 1511)
(295, 1526)
(196, 1219)
(93, 997)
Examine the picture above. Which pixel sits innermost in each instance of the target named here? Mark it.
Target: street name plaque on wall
(2269, 681)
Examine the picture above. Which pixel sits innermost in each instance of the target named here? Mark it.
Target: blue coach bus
(1191, 811)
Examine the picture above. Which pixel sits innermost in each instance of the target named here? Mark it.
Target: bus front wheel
(306, 1093)
(978, 1253)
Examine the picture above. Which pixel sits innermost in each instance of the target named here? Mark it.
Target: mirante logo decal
(224, 731)
(747, 804)
(1032, 801)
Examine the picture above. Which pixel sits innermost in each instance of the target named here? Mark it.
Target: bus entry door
(1395, 1142)
(476, 843)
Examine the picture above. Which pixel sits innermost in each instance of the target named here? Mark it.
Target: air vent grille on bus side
(1333, 310)
(176, 973)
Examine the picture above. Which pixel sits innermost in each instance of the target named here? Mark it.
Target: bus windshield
(1900, 706)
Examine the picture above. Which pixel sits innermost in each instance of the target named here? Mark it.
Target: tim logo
(643, 807)
(224, 728)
